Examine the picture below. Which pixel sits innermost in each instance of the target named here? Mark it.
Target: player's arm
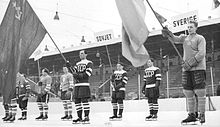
(71, 82)
(88, 72)
(145, 83)
(28, 88)
(175, 39)
(158, 77)
(124, 80)
(48, 84)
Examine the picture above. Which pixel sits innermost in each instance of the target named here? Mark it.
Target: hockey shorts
(82, 92)
(153, 93)
(118, 94)
(194, 79)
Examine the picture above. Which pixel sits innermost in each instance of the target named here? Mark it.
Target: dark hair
(46, 70)
(151, 59)
(84, 51)
(194, 22)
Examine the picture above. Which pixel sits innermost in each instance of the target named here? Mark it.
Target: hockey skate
(10, 118)
(86, 120)
(22, 118)
(64, 117)
(77, 121)
(45, 117)
(6, 115)
(39, 117)
(149, 118)
(191, 119)
(201, 118)
(113, 118)
(69, 117)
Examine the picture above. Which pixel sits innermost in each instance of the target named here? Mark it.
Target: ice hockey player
(21, 97)
(81, 73)
(44, 85)
(23, 94)
(66, 87)
(152, 78)
(119, 80)
(194, 67)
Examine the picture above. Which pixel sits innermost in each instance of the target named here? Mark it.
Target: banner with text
(104, 36)
(179, 22)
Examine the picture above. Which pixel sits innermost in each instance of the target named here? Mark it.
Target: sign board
(179, 22)
(104, 36)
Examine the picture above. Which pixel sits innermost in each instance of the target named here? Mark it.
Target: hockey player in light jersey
(81, 73)
(43, 98)
(119, 80)
(21, 97)
(152, 78)
(66, 87)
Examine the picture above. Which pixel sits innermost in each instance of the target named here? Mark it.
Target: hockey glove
(40, 83)
(186, 66)
(166, 32)
(68, 65)
(193, 62)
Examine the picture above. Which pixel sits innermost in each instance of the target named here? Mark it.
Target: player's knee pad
(189, 93)
(200, 92)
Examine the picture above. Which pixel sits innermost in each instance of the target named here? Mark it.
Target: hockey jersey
(119, 80)
(83, 70)
(22, 86)
(44, 84)
(66, 81)
(151, 76)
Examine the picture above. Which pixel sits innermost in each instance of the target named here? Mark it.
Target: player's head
(192, 27)
(119, 66)
(150, 62)
(82, 54)
(65, 69)
(45, 71)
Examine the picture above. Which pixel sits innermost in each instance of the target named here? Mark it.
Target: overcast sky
(84, 17)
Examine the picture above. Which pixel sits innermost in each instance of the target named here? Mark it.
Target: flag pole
(56, 46)
(164, 27)
(38, 66)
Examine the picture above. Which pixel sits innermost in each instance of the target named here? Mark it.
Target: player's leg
(86, 108)
(40, 106)
(45, 106)
(114, 106)
(6, 107)
(79, 110)
(187, 83)
(155, 101)
(120, 97)
(63, 98)
(199, 89)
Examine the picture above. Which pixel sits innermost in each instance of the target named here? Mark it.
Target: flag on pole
(20, 33)
(160, 18)
(134, 31)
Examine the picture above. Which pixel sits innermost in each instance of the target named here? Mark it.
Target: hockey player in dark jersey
(152, 78)
(81, 73)
(119, 80)
(66, 87)
(43, 97)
